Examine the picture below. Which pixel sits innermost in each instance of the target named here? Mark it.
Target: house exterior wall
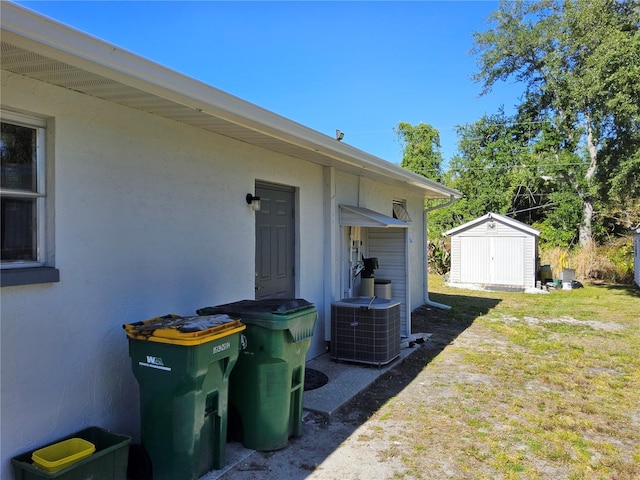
(477, 237)
(150, 219)
(362, 192)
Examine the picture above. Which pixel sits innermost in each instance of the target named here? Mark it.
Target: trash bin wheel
(139, 466)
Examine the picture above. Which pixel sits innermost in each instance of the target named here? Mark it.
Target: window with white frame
(23, 191)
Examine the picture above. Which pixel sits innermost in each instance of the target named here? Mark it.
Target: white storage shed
(494, 251)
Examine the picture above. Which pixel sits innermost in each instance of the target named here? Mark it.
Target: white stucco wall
(362, 192)
(150, 218)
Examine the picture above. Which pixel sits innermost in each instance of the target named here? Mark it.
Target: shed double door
(492, 260)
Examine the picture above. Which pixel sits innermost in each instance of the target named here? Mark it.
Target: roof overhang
(43, 49)
(363, 217)
(497, 217)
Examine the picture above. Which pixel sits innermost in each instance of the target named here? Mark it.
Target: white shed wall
(501, 255)
(150, 218)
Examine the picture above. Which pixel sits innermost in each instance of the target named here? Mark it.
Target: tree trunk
(585, 230)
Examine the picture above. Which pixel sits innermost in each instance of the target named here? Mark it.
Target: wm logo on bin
(155, 362)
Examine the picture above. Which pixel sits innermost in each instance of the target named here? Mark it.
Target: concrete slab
(346, 380)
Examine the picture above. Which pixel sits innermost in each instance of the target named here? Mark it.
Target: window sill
(28, 276)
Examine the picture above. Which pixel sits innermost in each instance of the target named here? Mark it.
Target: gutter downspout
(425, 260)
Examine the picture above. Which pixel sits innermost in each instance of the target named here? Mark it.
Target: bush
(620, 253)
(612, 262)
(439, 256)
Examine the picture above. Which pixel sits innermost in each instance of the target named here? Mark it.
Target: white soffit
(46, 50)
(363, 217)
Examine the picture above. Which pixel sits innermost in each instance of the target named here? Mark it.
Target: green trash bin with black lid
(182, 365)
(266, 386)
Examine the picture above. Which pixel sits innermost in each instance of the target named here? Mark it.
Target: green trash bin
(182, 365)
(108, 462)
(267, 385)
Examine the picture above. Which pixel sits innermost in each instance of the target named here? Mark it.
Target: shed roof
(41, 48)
(497, 217)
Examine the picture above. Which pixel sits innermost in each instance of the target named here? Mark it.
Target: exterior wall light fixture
(253, 202)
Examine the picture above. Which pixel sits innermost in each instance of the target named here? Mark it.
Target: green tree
(580, 63)
(487, 166)
(420, 149)
(502, 167)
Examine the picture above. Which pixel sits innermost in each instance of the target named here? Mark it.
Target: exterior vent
(400, 212)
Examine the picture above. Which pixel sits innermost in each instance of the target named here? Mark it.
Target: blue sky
(360, 67)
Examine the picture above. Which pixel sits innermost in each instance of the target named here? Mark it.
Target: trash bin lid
(293, 314)
(192, 330)
(275, 306)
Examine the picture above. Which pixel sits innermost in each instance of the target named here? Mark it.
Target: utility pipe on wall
(425, 253)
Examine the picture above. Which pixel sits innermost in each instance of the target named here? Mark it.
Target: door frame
(293, 235)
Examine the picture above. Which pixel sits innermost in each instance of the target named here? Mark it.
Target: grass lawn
(531, 386)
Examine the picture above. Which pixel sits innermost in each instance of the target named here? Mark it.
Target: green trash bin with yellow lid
(182, 365)
(267, 385)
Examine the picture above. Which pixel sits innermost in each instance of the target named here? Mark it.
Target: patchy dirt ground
(485, 397)
(348, 448)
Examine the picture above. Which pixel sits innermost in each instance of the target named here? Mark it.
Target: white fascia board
(466, 225)
(515, 224)
(501, 218)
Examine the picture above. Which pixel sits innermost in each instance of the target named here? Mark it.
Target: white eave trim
(30, 30)
(500, 218)
(351, 216)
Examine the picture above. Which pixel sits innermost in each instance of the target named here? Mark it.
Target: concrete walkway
(346, 380)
